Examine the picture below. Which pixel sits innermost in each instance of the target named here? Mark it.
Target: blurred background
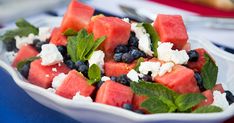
(210, 19)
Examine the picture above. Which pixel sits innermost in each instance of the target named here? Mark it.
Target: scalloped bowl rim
(63, 102)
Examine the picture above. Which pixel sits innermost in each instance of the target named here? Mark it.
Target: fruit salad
(142, 67)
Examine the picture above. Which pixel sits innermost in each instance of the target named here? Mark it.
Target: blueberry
(35, 41)
(123, 79)
(199, 81)
(143, 54)
(139, 111)
(230, 97)
(127, 58)
(66, 57)
(128, 106)
(11, 45)
(113, 78)
(147, 78)
(62, 50)
(193, 55)
(39, 44)
(99, 84)
(70, 64)
(121, 49)
(135, 53)
(79, 63)
(133, 41)
(83, 68)
(25, 70)
(118, 57)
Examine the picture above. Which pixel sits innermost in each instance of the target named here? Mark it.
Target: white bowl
(94, 112)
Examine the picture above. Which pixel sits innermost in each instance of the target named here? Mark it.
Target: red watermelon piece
(116, 30)
(25, 52)
(90, 27)
(180, 79)
(115, 94)
(77, 16)
(43, 75)
(197, 66)
(209, 99)
(117, 68)
(73, 83)
(218, 87)
(171, 28)
(137, 100)
(57, 37)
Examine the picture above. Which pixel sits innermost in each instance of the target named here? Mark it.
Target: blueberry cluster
(230, 97)
(122, 79)
(79, 66)
(193, 55)
(199, 81)
(25, 70)
(130, 52)
(38, 43)
(11, 46)
(129, 107)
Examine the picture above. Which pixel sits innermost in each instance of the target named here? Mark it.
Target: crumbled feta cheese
(105, 78)
(220, 100)
(44, 33)
(133, 75)
(97, 58)
(54, 69)
(50, 55)
(21, 41)
(10, 56)
(126, 20)
(144, 43)
(80, 98)
(58, 80)
(179, 57)
(52, 90)
(166, 67)
(165, 51)
(153, 67)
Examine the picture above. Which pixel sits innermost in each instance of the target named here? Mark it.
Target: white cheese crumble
(126, 20)
(166, 67)
(220, 100)
(10, 56)
(21, 41)
(165, 53)
(97, 58)
(52, 90)
(105, 78)
(44, 33)
(133, 75)
(50, 55)
(143, 37)
(153, 67)
(58, 80)
(54, 69)
(80, 98)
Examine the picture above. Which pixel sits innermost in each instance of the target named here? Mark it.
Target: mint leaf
(82, 46)
(169, 103)
(94, 74)
(209, 73)
(24, 29)
(70, 32)
(152, 89)
(154, 105)
(208, 109)
(153, 36)
(26, 61)
(187, 101)
(141, 59)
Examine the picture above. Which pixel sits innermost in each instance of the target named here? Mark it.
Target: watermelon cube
(209, 99)
(180, 79)
(171, 28)
(197, 66)
(117, 68)
(77, 16)
(73, 83)
(115, 94)
(57, 37)
(218, 87)
(25, 52)
(116, 30)
(43, 75)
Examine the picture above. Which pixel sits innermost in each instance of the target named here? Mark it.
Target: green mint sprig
(208, 109)
(94, 74)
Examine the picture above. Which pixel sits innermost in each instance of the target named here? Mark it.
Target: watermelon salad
(146, 68)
